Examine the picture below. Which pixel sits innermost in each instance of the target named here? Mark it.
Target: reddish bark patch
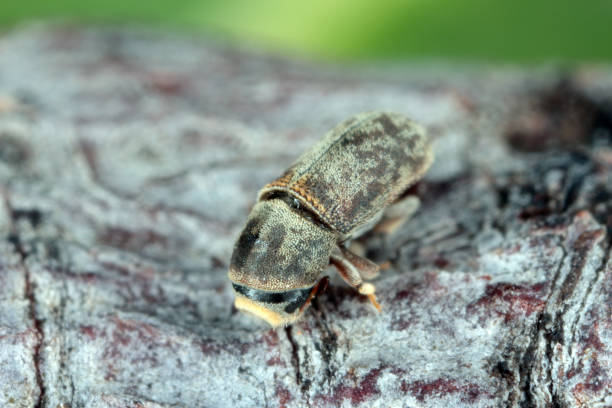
(152, 293)
(595, 381)
(275, 361)
(404, 320)
(358, 393)
(441, 262)
(511, 301)
(408, 293)
(120, 348)
(433, 283)
(442, 386)
(89, 331)
(597, 377)
(126, 332)
(592, 339)
(271, 338)
(283, 395)
(166, 83)
(405, 317)
(209, 347)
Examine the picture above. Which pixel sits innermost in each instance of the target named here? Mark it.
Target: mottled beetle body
(333, 193)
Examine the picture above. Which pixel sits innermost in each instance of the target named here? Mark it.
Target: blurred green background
(510, 31)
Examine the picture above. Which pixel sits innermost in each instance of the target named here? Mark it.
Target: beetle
(304, 220)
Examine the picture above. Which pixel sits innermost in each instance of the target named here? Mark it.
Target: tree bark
(129, 160)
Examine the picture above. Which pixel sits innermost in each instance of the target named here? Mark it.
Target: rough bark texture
(129, 161)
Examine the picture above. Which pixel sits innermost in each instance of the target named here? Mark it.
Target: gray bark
(129, 160)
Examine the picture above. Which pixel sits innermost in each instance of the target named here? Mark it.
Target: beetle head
(277, 260)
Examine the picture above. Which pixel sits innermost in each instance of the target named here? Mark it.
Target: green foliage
(520, 30)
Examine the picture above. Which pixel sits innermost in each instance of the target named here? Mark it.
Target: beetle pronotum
(304, 220)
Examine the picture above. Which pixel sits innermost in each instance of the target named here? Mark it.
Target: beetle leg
(345, 268)
(352, 268)
(318, 288)
(397, 214)
(364, 267)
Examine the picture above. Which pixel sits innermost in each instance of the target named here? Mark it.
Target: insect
(305, 220)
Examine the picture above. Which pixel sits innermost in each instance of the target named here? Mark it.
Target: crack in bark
(328, 345)
(29, 290)
(525, 367)
(598, 272)
(63, 352)
(528, 359)
(551, 327)
(295, 358)
(553, 336)
(15, 240)
(29, 294)
(576, 176)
